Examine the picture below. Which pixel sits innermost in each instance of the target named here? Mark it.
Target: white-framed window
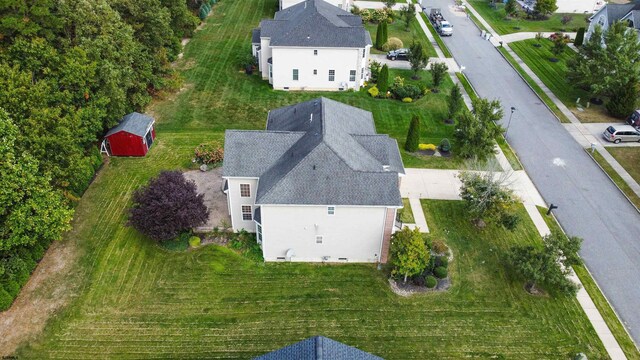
(315, 71)
(331, 210)
(352, 75)
(332, 75)
(270, 71)
(362, 74)
(259, 233)
(295, 74)
(315, 52)
(364, 52)
(319, 239)
(247, 213)
(245, 190)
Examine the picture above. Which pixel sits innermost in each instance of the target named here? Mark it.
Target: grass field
(610, 318)
(397, 29)
(499, 22)
(629, 158)
(406, 214)
(132, 299)
(545, 98)
(617, 179)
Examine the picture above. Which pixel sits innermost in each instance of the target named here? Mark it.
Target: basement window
(319, 239)
(331, 210)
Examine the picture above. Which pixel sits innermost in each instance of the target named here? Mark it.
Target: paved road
(590, 206)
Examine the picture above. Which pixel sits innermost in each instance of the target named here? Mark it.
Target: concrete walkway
(363, 4)
(525, 35)
(418, 216)
(452, 65)
(578, 130)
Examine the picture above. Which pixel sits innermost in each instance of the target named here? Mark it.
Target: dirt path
(45, 293)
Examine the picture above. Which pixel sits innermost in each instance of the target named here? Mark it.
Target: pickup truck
(442, 26)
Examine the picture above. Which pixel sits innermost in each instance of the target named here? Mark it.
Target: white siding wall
(265, 54)
(341, 60)
(354, 233)
(600, 18)
(343, 4)
(235, 202)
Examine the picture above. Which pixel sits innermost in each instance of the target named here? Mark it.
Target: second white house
(313, 46)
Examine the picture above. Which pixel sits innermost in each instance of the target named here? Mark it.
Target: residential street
(590, 206)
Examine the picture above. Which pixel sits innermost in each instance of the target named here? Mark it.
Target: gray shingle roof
(134, 123)
(317, 152)
(318, 348)
(255, 36)
(616, 12)
(315, 23)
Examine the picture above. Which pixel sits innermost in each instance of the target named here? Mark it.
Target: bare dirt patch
(46, 292)
(210, 183)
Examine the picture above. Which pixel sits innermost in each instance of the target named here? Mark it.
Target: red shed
(132, 137)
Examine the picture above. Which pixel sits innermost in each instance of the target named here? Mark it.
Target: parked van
(621, 133)
(634, 119)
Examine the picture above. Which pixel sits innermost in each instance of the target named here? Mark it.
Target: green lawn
(610, 318)
(538, 90)
(629, 158)
(498, 21)
(617, 179)
(406, 214)
(397, 29)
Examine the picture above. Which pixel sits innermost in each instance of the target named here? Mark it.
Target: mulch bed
(409, 289)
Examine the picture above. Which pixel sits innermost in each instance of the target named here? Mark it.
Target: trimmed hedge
(431, 282)
(440, 272)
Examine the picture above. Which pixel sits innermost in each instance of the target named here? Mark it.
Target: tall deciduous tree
(608, 64)
(476, 131)
(488, 198)
(545, 7)
(417, 58)
(413, 135)
(455, 102)
(408, 15)
(511, 7)
(167, 206)
(409, 254)
(438, 71)
(548, 265)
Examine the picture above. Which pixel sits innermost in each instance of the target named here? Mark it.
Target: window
(246, 213)
(364, 53)
(315, 52)
(270, 71)
(259, 233)
(319, 239)
(295, 74)
(362, 74)
(245, 190)
(331, 210)
(315, 71)
(332, 75)
(352, 75)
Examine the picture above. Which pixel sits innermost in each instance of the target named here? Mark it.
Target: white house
(318, 185)
(610, 13)
(342, 4)
(312, 46)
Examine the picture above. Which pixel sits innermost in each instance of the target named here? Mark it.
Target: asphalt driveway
(590, 206)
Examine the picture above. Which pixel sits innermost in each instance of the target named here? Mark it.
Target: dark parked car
(400, 54)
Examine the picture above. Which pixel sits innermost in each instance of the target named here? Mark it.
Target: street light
(509, 123)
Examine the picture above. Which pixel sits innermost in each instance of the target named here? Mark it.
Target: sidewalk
(579, 132)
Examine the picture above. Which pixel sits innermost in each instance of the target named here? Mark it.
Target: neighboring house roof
(134, 123)
(315, 23)
(616, 12)
(317, 152)
(318, 348)
(255, 36)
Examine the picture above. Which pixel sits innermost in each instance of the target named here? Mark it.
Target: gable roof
(134, 123)
(616, 12)
(318, 348)
(317, 152)
(315, 23)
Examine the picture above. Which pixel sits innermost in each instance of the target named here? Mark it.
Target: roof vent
(314, 167)
(386, 167)
(295, 109)
(311, 117)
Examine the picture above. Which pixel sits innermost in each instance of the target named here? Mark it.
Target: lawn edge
(611, 175)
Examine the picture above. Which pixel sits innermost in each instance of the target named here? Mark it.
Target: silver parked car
(621, 133)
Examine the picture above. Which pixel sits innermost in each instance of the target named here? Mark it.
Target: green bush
(430, 282)
(406, 91)
(407, 100)
(413, 136)
(181, 243)
(510, 221)
(194, 241)
(373, 91)
(5, 299)
(11, 287)
(442, 261)
(440, 272)
(579, 37)
(383, 80)
(445, 145)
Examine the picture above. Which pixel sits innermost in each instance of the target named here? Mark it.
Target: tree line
(69, 71)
